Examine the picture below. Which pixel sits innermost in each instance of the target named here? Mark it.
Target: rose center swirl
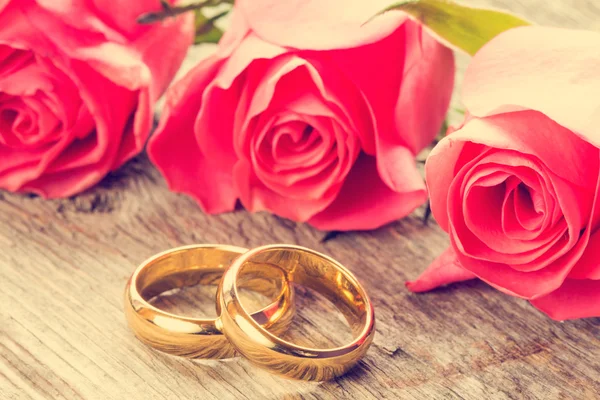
(30, 112)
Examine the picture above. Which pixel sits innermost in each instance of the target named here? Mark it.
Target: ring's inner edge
(201, 266)
(317, 273)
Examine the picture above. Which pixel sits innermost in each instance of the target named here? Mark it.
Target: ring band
(189, 266)
(316, 271)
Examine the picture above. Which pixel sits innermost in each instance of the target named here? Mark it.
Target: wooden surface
(63, 266)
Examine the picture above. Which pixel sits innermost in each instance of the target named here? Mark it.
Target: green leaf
(206, 31)
(459, 27)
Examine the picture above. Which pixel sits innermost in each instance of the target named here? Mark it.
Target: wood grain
(64, 264)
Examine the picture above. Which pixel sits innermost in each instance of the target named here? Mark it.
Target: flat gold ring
(188, 266)
(311, 269)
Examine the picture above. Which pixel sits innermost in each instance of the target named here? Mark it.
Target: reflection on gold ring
(189, 266)
(314, 270)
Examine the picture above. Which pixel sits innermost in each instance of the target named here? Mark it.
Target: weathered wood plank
(64, 264)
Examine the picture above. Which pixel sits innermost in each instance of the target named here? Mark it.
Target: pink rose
(308, 115)
(517, 185)
(78, 82)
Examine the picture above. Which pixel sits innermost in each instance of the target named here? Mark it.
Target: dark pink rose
(308, 116)
(78, 82)
(517, 186)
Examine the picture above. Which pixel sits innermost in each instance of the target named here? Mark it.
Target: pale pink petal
(551, 70)
(237, 31)
(443, 270)
(320, 24)
(574, 299)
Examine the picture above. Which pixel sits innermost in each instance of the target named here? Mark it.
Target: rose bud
(323, 131)
(78, 82)
(517, 185)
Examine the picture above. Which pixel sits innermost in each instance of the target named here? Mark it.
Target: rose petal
(482, 233)
(409, 106)
(588, 266)
(574, 299)
(82, 15)
(313, 180)
(118, 62)
(290, 144)
(366, 202)
(439, 174)
(65, 183)
(193, 172)
(136, 132)
(221, 97)
(191, 110)
(515, 131)
(256, 196)
(168, 40)
(262, 78)
(272, 86)
(533, 284)
(26, 81)
(298, 96)
(443, 270)
(111, 118)
(17, 31)
(552, 63)
(118, 15)
(532, 133)
(320, 24)
(425, 91)
(376, 69)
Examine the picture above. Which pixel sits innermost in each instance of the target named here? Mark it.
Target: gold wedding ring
(268, 270)
(311, 269)
(189, 266)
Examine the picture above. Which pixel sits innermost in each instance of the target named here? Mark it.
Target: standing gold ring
(314, 270)
(189, 266)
